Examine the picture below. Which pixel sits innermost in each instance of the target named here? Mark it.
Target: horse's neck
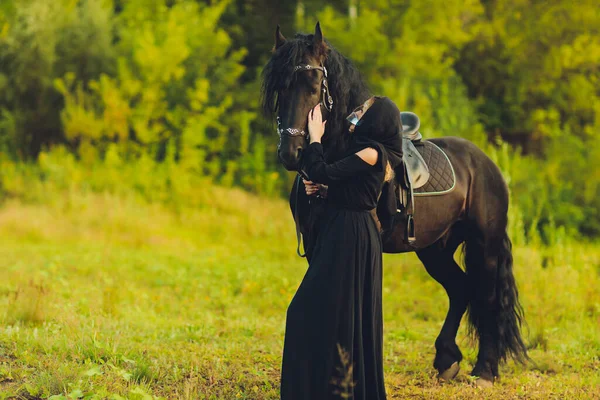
(334, 150)
(357, 95)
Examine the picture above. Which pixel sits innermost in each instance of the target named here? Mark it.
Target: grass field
(112, 297)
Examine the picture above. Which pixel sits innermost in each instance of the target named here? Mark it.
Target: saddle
(415, 165)
(413, 173)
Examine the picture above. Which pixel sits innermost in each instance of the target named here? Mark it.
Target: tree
(534, 70)
(42, 40)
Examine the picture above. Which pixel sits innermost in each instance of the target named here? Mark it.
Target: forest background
(173, 87)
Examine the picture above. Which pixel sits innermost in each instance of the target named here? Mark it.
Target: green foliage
(171, 94)
(154, 80)
(406, 52)
(173, 86)
(41, 41)
(535, 67)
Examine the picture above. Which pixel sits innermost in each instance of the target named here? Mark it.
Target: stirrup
(410, 230)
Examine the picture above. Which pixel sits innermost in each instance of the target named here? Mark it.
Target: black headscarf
(380, 127)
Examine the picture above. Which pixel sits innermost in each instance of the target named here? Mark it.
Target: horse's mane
(345, 83)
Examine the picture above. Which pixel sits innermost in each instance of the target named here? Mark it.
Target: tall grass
(110, 290)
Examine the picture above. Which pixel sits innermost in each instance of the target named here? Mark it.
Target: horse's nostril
(298, 153)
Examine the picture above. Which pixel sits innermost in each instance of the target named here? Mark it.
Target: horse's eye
(314, 91)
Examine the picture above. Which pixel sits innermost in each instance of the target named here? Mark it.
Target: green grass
(112, 297)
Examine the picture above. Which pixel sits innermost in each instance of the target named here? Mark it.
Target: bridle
(326, 100)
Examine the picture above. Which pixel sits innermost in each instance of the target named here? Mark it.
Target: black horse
(307, 70)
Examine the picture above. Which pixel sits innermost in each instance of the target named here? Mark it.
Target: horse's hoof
(450, 373)
(483, 383)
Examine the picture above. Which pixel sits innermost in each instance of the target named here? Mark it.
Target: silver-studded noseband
(326, 99)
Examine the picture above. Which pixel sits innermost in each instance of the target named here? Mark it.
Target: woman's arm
(369, 155)
(318, 170)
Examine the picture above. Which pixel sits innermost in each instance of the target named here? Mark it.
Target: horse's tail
(494, 307)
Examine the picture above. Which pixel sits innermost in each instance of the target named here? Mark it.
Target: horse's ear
(318, 41)
(318, 38)
(279, 38)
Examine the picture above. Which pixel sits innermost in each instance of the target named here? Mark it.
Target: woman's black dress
(337, 310)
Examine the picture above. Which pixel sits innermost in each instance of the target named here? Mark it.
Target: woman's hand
(315, 188)
(310, 187)
(316, 125)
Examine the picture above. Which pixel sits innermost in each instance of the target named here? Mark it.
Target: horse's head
(294, 81)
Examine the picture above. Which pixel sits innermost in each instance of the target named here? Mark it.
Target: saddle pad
(442, 178)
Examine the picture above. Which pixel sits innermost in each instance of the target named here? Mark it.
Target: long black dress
(337, 310)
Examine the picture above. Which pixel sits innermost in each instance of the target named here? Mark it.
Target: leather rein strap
(297, 219)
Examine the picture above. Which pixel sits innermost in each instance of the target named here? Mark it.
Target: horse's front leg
(440, 264)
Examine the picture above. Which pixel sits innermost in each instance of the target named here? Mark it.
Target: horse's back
(465, 154)
(437, 212)
(486, 191)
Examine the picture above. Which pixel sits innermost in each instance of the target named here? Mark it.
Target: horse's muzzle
(290, 159)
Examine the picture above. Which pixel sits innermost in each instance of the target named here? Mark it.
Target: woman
(334, 328)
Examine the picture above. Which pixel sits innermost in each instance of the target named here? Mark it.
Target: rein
(297, 219)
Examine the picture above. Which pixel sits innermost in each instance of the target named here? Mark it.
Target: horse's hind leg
(494, 307)
(439, 262)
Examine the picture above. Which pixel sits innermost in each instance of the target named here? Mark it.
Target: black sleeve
(319, 171)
